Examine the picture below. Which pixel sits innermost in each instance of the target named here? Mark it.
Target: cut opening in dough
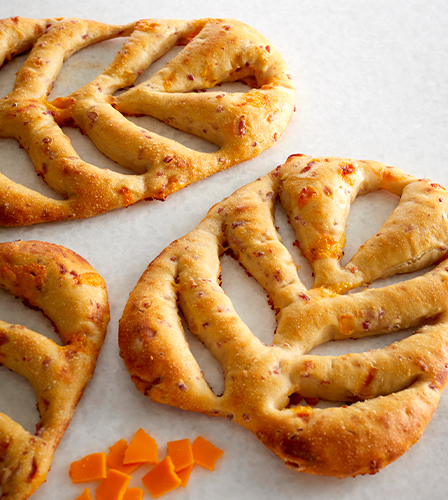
(243, 289)
(21, 170)
(89, 153)
(153, 125)
(84, 66)
(367, 214)
(210, 367)
(17, 311)
(289, 239)
(18, 399)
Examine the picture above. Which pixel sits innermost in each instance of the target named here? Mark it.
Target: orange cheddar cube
(162, 478)
(115, 457)
(142, 449)
(205, 453)
(133, 494)
(181, 453)
(114, 486)
(184, 475)
(89, 468)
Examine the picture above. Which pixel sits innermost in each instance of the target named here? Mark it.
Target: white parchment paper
(371, 78)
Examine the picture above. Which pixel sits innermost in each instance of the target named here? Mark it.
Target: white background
(371, 79)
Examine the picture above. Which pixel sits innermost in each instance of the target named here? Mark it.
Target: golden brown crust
(73, 295)
(19, 34)
(241, 125)
(389, 394)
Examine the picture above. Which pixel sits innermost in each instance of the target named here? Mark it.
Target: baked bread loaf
(73, 296)
(383, 398)
(240, 124)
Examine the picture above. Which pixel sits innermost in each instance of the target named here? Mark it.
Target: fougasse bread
(73, 296)
(185, 94)
(383, 398)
